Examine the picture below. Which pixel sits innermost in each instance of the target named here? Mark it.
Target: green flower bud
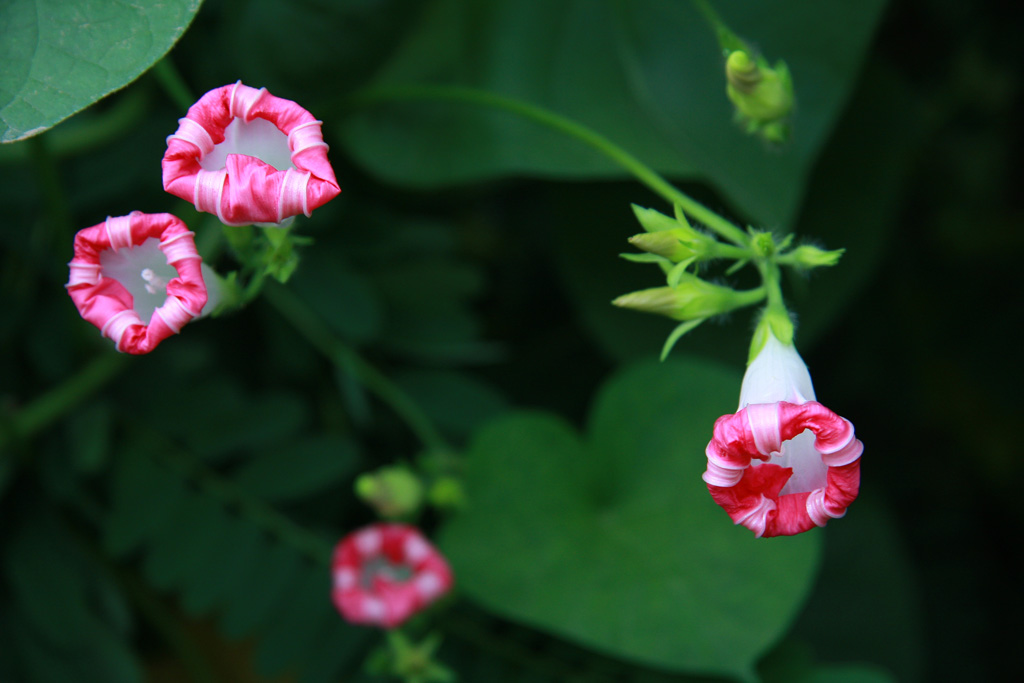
(672, 244)
(392, 491)
(447, 493)
(763, 95)
(807, 256)
(690, 299)
(670, 237)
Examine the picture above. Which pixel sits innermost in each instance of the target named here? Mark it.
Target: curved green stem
(48, 408)
(173, 84)
(348, 360)
(728, 40)
(308, 543)
(637, 168)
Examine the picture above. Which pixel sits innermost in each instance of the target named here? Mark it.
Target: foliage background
(475, 273)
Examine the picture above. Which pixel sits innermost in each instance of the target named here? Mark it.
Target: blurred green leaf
(648, 75)
(64, 631)
(306, 467)
(866, 570)
(611, 540)
(177, 549)
(143, 498)
(344, 299)
(59, 57)
(270, 579)
(457, 402)
(292, 636)
(225, 420)
(291, 36)
(240, 545)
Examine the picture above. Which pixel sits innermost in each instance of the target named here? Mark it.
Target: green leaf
(241, 545)
(611, 539)
(647, 75)
(178, 547)
(867, 568)
(225, 420)
(59, 57)
(294, 633)
(344, 299)
(456, 402)
(301, 469)
(144, 496)
(271, 579)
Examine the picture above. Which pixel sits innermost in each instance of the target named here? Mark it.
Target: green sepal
(774, 321)
(677, 333)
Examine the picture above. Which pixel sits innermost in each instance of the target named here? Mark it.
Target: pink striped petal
(366, 591)
(752, 494)
(107, 303)
(275, 159)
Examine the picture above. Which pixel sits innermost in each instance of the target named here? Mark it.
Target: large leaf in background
(648, 75)
(57, 57)
(611, 539)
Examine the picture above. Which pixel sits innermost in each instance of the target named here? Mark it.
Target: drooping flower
(783, 463)
(249, 157)
(385, 573)
(138, 278)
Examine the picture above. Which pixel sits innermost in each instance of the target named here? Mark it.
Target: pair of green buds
(675, 246)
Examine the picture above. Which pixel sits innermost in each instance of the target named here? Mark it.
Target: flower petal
(382, 599)
(248, 189)
(107, 303)
(752, 495)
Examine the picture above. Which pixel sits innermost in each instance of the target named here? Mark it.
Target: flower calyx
(393, 492)
(762, 94)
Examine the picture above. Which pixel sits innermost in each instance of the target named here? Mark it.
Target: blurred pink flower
(385, 573)
(138, 278)
(249, 157)
(783, 463)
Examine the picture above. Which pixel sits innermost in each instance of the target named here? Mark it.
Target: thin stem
(173, 83)
(637, 168)
(55, 200)
(348, 360)
(48, 408)
(308, 543)
(728, 40)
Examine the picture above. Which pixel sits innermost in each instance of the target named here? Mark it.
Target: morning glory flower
(385, 573)
(783, 463)
(249, 157)
(138, 278)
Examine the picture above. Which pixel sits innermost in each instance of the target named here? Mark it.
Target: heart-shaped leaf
(611, 539)
(58, 57)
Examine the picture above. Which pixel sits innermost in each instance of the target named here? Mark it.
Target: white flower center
(259, 138)
(143, 271)
(809, 472)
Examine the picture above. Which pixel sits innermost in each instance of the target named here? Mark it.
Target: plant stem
(173, 83)
(308, 543)
(637, 168)
(45, 410)
(348, 360)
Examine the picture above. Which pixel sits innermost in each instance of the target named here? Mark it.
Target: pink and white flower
(138, 278)
(385, 573)
(784, 463)
(249, 157)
